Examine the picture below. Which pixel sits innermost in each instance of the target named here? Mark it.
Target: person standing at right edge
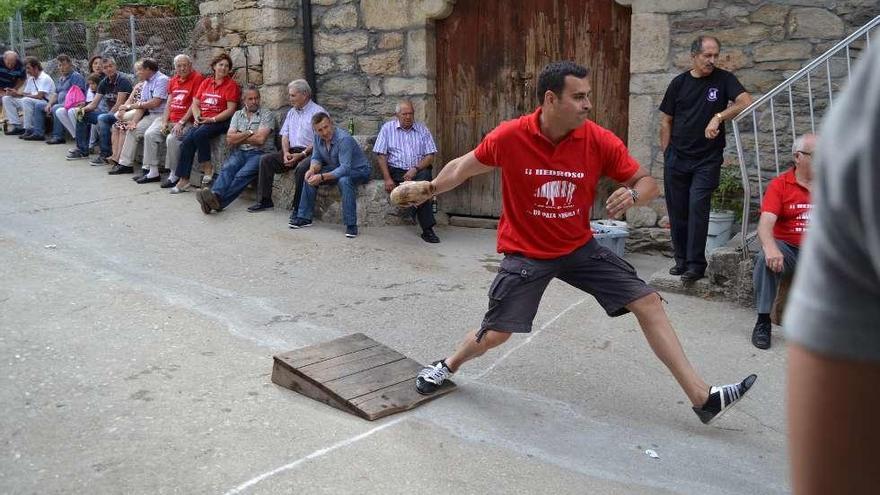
(692, 137)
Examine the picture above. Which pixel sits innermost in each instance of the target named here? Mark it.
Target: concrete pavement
(136, 336)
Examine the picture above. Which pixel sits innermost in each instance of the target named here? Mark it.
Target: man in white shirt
(297, 135)
(37, 89)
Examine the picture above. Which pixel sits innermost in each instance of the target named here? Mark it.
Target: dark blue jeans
(348, 188)
(239, 170)
(104, 121)
(198, 139)
(57, 126)
(689, 184)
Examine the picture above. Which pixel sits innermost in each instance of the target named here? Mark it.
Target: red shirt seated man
(785, 212)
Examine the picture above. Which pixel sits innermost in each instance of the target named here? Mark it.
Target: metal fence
(126, 40)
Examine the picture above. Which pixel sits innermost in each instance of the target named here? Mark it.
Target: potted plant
(726, 207)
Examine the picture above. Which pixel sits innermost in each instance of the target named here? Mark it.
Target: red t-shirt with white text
(547, 190)
(180, 94)
(790, 202)
(213, 97)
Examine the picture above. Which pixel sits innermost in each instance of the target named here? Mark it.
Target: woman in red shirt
(213, 105)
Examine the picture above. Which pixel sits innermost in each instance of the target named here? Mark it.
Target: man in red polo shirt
(174, 123)
(551, 162)
(785, 212)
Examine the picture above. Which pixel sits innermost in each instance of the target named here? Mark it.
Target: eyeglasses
(808, 153)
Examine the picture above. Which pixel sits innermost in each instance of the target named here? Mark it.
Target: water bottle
(351, 126)
(434, 204)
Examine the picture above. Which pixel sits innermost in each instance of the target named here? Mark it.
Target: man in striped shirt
(405, 151)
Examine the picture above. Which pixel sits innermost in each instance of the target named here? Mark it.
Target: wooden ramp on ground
(356, 374)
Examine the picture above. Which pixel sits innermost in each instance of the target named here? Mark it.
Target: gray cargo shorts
(517, 289)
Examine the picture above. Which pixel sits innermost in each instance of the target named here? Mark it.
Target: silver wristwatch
(634, 194)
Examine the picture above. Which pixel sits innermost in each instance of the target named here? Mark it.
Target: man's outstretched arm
(457, 171)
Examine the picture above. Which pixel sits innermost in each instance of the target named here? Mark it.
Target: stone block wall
(371, 53)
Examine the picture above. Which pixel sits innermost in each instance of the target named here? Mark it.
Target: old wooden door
(489, 53)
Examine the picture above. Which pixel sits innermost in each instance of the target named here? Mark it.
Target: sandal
(207, 180)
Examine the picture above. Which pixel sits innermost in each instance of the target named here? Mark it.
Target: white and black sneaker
(722, 398)
(430, 378)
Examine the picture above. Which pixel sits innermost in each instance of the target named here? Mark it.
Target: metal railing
(773, 134)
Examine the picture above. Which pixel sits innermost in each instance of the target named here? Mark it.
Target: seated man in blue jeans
(336, 158)
(113, 90)
(249, 130)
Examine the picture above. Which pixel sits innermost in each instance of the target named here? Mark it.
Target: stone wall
(371, 53)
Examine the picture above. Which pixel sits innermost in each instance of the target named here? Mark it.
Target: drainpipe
(308, 48)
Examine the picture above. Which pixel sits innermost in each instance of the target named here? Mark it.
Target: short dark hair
(62, 57)
(150, 64)
(33, 62)
(697, 45)
(552, 77)
(95, 78)
(250, 87)
(319, 117)
(223, 56)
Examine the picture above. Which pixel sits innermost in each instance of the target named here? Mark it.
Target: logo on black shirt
(712, 95)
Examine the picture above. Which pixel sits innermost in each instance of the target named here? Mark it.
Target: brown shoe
(203, 203)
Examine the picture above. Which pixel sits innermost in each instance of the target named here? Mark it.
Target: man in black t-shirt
(114, 90)
(692, 138)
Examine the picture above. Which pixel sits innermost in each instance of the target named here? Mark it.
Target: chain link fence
(126, 40)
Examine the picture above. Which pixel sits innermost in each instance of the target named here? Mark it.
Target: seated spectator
(68, 116)
(248, 137)
(96, 65)
(148, 108)
(12, 74)
(55, 106)
(405, 151)
(785, 211)
(124, 115)
(173, 124)
(213, 105)
(296, 145)
(336, 159)
(114, 90)
(36, 90)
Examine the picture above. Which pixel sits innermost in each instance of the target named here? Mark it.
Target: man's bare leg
(664, 342)
(470, 348)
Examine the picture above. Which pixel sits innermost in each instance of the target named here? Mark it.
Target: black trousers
(273, 163)
(424, 213)
(689, 184)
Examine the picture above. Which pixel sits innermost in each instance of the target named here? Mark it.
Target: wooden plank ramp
(355, 374)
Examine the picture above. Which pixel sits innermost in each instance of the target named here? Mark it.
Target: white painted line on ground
(527, 340)
(314, 455)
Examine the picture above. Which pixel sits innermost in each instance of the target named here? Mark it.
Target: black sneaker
(722, 398)
(351, 231)
(77, 155)
(299, 223)
(430, 378)
(761, 335)
(677, 270)
(691, 276)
